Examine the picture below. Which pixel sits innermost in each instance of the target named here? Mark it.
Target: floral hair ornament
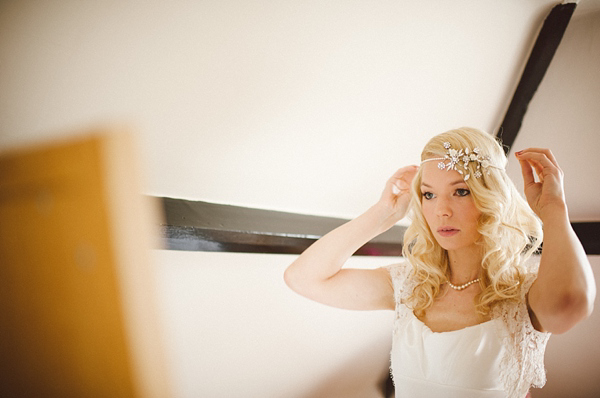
(462, 158)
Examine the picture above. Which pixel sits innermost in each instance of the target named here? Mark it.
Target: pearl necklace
(463, 286)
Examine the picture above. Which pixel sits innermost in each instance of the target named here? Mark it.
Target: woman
(474, 309)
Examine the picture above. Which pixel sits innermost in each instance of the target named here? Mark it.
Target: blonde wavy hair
(510, 230)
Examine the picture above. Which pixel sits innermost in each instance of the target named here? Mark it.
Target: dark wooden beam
(202, 226)
(539, 60)
(589, 235)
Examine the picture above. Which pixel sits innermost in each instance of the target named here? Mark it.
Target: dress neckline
(482, 324)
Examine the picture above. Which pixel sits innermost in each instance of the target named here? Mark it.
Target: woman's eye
(462, 192)
(427, 195)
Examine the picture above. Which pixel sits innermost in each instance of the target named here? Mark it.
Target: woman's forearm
(324, 258)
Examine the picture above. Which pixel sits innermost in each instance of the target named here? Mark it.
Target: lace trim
(522, 365)
(403, 287)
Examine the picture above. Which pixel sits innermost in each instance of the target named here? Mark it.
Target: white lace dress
(503, 357)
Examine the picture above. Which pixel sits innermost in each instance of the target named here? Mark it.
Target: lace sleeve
(403, 286)
(399, 273)
(523, 363)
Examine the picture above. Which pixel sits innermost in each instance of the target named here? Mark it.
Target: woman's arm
(564, 291)
(317, 273)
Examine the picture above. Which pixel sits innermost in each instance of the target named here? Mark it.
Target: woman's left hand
(547, 194)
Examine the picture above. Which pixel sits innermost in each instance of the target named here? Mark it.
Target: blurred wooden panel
(77, 317)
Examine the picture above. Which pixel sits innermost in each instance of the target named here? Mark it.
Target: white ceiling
(586, 6)
(299, 106)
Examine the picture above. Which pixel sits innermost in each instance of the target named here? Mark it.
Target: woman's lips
(447, 231)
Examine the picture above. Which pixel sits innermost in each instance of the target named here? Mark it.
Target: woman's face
(448, 207)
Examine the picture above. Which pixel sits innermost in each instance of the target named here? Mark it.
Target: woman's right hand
(397, 193)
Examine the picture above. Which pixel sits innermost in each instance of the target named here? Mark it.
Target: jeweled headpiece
(462, 158)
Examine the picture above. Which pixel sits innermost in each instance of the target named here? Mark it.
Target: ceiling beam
(589, 235)
(202, 226)
(539, 60)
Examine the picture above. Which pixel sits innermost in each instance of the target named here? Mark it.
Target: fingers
(542, 161)
(527, 172)
(407, 170)
(538, 153)
(402, 178)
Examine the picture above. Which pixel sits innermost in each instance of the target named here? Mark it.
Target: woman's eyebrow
(460, 181)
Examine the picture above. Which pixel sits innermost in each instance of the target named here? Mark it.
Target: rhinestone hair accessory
(462, 158)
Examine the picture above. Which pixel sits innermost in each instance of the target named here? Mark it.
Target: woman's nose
(443, 208)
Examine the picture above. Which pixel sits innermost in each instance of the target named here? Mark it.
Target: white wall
(235, 330)
(306, 106)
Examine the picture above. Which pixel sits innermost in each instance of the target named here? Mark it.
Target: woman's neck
(464, 265)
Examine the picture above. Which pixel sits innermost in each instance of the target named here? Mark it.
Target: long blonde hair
(510, 230)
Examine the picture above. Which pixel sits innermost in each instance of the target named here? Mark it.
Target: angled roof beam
(541, 55)
(539, 60)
